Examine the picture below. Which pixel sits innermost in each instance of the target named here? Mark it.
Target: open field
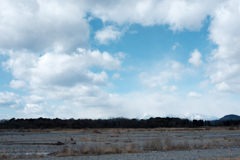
(193, 143)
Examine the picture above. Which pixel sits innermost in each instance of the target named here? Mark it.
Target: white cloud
(131, 105)
(194, 95)
(196, 58)
(61, 25)
(173, 72)
(176, 66)
(173, 88)
(133, 32)
(108, 34)
(116, 76)
(157, 80)
(178, 14)
(5, 116)
(18, 84)
(175, 46)
(43, 25)
(32, 109)
(224, 87)
(169, 88)
(64, 78)
(34, 99)
(10, 100)
(161, 104)
(59, 69)
(204, 84)
(224, 64)
(43, 35)
(120, 55)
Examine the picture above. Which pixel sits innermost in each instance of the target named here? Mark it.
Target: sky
(103, 59)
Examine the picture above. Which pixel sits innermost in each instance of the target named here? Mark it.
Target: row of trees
(44, 123)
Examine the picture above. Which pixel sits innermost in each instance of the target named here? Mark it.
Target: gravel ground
(166, 155)
(27, 142)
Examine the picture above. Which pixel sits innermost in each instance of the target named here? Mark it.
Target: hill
(230, 117)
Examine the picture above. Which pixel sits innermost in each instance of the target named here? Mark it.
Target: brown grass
(169, 145)
(20, 156)
(125, 130)
(97, 149)
(97, 131)
(153, 145)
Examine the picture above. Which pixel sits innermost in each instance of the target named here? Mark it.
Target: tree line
(46, 123)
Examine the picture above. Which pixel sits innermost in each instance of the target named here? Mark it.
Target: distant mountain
(230, 117)
(3, 120)
(144, 116)
(192, 116)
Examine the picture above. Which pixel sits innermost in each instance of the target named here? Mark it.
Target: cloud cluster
(178, 14)
(64, 78)
(40, 39)
(173, 72)
(59, 69)
(116, 76)
(194, 95)
(43, 25)
(10, 100)
(196, 58)
(175, 46)
(108, 34)
(224, 65)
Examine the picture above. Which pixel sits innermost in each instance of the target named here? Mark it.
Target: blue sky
(101, 59)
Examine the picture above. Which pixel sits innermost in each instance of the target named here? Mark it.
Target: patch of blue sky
(5, 76)
(9, 113)
(147, 47)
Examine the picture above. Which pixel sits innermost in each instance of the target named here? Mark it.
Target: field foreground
(158, 143)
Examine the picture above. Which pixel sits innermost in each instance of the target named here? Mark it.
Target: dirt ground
(88, 142)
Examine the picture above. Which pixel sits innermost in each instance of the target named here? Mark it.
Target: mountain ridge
(190, 116)
(229, 117)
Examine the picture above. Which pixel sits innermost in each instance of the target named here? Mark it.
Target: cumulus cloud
(120, 55)
(40, 39)
(10, 100)
(66, 79)
(116, 76)
(224, 87)
(18, 84)
(224, 64)
(5, 116)
(131, 105)
(172, 73)
(61, 25)
(204, 84)
(59, 69)
(196, 58)
(157, 80)
(34, 99)
(194, 95)
(170, 88)
(176, 66)
(47, 25)
(108, 34)
(32, 109)
(177, 14)
(43, 25)
(175, 46)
